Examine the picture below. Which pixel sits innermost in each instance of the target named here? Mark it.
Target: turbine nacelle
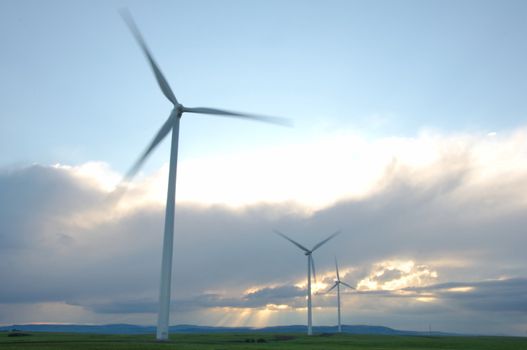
(337, 280)
(179, 108)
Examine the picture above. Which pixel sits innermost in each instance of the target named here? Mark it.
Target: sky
(409, 135)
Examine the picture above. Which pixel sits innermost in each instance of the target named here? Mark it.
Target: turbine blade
(261, 118)
(290, 240)
(165, 129)
(337, 266)
(330, 289)
(313, 268)
(324, 241)
(347, 285)
(161, 81)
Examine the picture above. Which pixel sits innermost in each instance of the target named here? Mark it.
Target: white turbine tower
(310, 267)
(172, 124)
(337, 284)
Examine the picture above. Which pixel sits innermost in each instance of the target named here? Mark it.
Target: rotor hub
(179, 110)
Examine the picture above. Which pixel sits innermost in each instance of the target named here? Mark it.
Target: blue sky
(409, 135)
(76, 87)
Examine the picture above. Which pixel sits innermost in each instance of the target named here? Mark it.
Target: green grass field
(261, 341)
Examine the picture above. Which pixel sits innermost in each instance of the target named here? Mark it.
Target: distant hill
(133, 329)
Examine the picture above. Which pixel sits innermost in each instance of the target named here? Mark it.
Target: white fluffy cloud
(335, 167)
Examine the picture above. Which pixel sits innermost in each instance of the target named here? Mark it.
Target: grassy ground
(261, 342)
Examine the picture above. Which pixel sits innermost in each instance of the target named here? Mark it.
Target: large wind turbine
(310, 267)
(337, 284)
(172, 124)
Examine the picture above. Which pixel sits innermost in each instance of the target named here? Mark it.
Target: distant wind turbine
(310, 267)
(337, 284)
(172, 124)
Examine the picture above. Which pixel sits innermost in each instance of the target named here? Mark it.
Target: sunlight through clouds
(351, 166)
(397, 274)
(98, 174)
(316, 174)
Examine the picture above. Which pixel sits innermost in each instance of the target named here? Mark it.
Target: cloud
(419, 222)
(318, 173)
(391, 275)
(504, 295)
(274, 295)
(260, 298)
(121, 307)
(27, 217)
(499, 297)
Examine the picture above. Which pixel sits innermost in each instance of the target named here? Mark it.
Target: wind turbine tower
(172, 125)
(337, 284)
(310, 270)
